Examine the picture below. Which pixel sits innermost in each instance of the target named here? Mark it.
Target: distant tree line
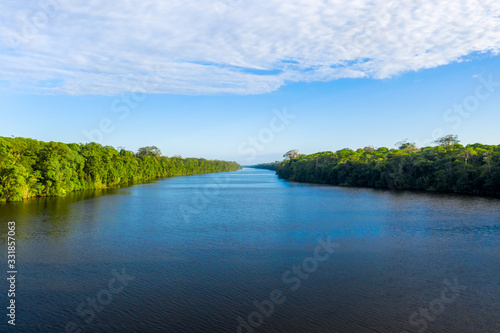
(31, 168)
(447, 167)
(268, 166)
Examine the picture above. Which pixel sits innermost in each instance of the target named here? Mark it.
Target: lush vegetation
(268, 166)
(31, 168)
(448, 167)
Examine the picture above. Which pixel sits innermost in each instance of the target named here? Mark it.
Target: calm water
(198, 251)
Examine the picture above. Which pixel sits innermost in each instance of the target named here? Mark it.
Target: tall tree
(291, 154)
(447, 140)
(149, 150)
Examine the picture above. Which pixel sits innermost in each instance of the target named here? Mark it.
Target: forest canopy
(448, 167)
(31, 168)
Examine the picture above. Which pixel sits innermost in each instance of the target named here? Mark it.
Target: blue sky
(219, 81)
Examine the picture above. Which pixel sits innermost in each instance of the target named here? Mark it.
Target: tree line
(447, 167)
(31, 168)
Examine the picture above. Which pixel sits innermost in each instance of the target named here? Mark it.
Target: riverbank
(30, 168)
(473, 169)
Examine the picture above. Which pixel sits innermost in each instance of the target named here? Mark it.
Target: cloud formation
(231, 46)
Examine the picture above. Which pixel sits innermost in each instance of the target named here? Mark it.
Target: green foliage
(473, 169)
(31, 168)
(407, 146)
(447, 140)
(291, 154)
(149, 150)
(268, 166)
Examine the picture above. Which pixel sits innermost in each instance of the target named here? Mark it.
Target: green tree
(474, 169)
(30, 168)
(447, 140)
(291, 154)
(149, 150)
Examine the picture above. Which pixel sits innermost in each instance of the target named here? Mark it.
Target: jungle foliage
(448, 167)
(31, 168)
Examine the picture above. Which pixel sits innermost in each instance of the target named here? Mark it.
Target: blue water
(196, 253)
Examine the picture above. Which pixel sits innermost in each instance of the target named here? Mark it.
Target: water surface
(202, 249)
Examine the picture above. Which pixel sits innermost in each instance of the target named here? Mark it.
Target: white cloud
(231, 46)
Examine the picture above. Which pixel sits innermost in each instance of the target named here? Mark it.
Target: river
(247, 252)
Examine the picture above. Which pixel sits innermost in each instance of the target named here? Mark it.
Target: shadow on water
(53, 212)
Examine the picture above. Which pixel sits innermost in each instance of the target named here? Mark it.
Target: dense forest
(447, 167)
(31, 168)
